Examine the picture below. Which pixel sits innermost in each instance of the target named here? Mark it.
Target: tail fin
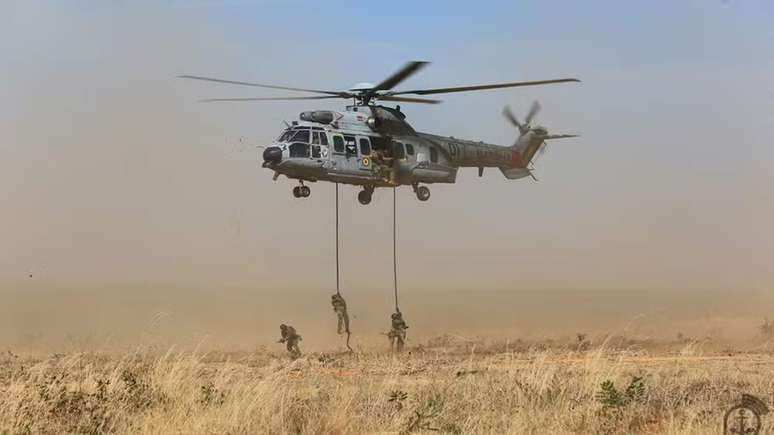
(526, 146)
(530, 143)
(531, 140)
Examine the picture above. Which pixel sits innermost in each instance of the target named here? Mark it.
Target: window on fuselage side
(338, 144)
(397, 150)
(409, 149)
(380, 143)
(350, 145)
(365, 147)
(433, 155)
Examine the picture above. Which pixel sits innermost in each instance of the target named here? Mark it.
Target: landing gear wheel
(297, 191)
(305, 191)
(423, 193)
(364, 196)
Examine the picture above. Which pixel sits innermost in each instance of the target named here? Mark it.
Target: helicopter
(371, 145)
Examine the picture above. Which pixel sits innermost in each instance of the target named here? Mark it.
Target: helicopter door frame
(320, 150)
(350, 146)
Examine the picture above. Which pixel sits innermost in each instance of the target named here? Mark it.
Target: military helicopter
(372, 145)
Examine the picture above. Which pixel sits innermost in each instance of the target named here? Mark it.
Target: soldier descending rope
(291, 339)
(397, 334)
(340, 308)
(338, 302)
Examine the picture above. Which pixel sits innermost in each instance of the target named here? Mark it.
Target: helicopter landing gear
(302, 191)
(422, 192)
(365, 195)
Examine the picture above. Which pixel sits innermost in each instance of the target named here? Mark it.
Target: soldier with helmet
(397, 334)
(291, 338)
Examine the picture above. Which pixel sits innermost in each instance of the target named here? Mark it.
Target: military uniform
(397, 334)
(291, 339)
(340, 308)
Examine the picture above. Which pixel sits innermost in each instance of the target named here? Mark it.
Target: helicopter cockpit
(298, 141)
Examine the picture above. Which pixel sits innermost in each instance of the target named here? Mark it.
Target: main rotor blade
(321, 97)
(397, 77)
(481, 87)
(409, 100)
(232, 82)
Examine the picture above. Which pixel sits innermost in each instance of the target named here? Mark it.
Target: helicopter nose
(272, 155)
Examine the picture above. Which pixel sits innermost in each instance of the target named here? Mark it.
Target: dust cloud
(240, 319)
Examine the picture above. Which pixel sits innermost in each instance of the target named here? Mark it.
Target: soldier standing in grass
(340, 308)
(291, 339)
(397, 334)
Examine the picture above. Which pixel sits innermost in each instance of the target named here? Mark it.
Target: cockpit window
(409, 149)
(299, 150)
(315, 137)
(285, 135)
(300, 136)
(323, 138)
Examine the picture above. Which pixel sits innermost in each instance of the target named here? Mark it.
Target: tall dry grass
(447, 388)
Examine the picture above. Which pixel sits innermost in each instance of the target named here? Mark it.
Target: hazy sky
(112, 175)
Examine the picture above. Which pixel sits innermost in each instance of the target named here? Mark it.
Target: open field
(444, 385)
(487, 362)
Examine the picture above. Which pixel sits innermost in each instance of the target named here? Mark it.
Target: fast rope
(338, 292)
(394, 251)
(338, 288)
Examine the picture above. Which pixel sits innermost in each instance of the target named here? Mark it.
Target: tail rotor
(523, 128)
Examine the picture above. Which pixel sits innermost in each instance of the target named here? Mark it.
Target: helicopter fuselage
(373, 146)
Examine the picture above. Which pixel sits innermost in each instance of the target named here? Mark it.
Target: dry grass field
(444, 385)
